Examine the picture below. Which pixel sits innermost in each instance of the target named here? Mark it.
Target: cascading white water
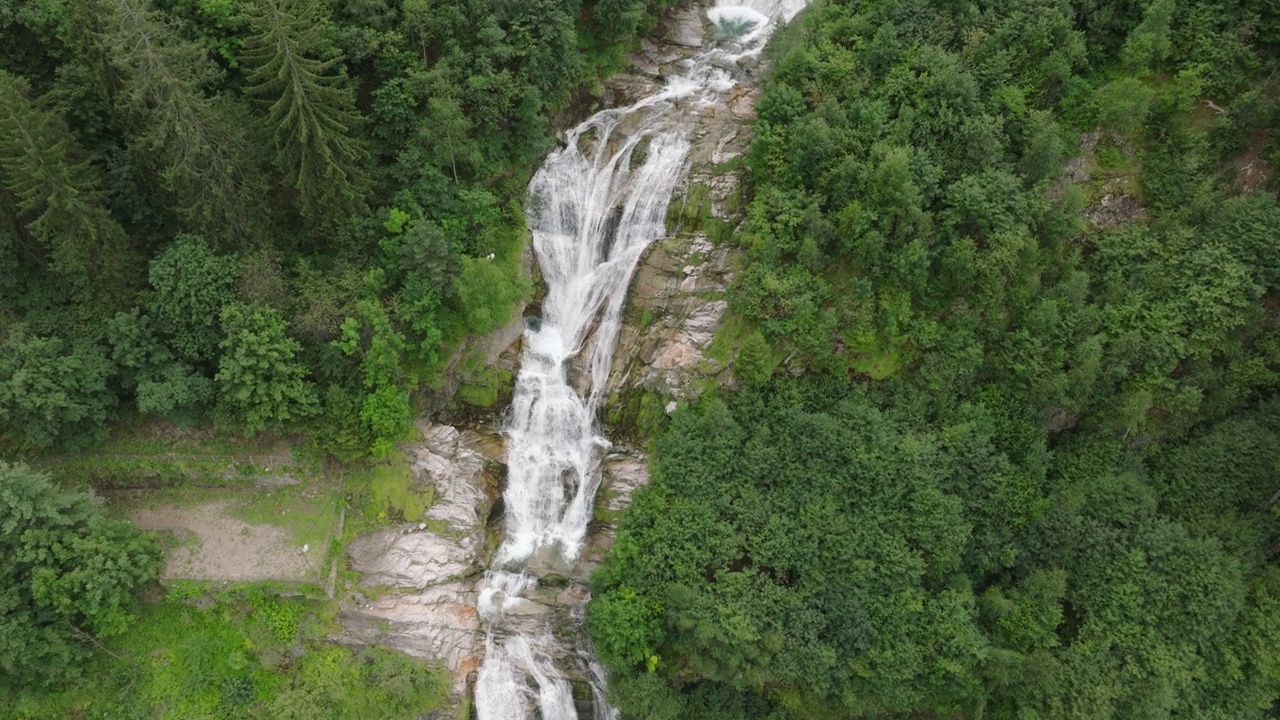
(593, 208)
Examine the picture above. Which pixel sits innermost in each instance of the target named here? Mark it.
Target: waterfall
(593, 207)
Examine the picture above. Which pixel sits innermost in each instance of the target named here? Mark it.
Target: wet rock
(679, 289)
(1115, 210)
(401, 557)
(439, 623)
(623, 473)
(454, 461)
(624, 89)
(683, 26)
(553, 580)
(743, 104)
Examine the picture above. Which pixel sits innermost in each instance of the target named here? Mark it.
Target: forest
(246, 218)
(267, 213)
(1005, 433)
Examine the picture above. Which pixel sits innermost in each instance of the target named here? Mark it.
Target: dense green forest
(258, 216)
(261, 212)
(1004, 437)
(1006, 434)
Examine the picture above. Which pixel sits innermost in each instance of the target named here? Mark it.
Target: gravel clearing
(214, 545)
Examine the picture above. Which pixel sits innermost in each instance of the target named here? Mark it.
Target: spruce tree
(194, 144)
(312, 109)
(58, 192)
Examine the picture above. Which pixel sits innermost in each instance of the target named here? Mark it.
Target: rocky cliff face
(417, 590)
(423, 573)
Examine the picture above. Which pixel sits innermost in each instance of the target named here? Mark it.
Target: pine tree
(58, 191)
(755, 362)
(197, 145)
(312, 109)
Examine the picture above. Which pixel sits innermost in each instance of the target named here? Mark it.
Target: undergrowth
(253, 651)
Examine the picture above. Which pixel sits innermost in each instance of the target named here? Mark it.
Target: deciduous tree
(260, 381)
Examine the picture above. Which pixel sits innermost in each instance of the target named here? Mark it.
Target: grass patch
(250, 651)
(157, 455)
(161, 437)
(155, 471)
(485, 387)
(730, 334)
(308, 513)
(383, 493)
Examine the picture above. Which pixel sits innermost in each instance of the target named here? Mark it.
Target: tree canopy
(68, 573)
(333, 163)
(1017, 460)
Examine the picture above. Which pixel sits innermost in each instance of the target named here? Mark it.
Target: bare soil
(214, 545)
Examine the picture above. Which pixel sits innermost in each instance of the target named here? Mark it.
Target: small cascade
(593, 207)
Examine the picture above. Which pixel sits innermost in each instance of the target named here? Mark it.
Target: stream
(593, 207)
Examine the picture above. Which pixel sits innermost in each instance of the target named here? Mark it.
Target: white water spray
(593, 208)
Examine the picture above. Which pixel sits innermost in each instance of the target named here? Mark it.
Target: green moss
(868, 356)
(485, 387)
(390, 492)
(719, 231)
(637, 412)
(690, 212)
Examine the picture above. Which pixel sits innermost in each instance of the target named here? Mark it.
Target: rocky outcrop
(678, 298)
(425, 571)
(676, 305)
(1113, 197)
(683, 26)
(624, 471)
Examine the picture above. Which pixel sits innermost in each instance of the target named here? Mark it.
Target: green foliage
(162, 385)
(251, 652)
(385, 413)
(798, 551)
(379, 683)
(755, 360)
(487, 295)
(624, 628)
(53, 391)
(389, 417)
(1020, 463)
(311, 109)
(192, 285)
(134, 127)
(68, 573)
(195, 145)
(58, 191)
(484, 387)
(260, 383)
(1149, 44)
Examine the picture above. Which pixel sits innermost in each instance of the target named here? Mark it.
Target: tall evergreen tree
(195, 145)
(312, 109)
(58, 191)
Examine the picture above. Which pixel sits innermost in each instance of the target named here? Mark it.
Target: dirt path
(217, 546)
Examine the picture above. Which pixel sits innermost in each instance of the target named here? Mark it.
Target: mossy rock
(553, 580)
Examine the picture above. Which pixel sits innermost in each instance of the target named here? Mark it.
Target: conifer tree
(58, 192)
(312, 109)
(197, 146)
